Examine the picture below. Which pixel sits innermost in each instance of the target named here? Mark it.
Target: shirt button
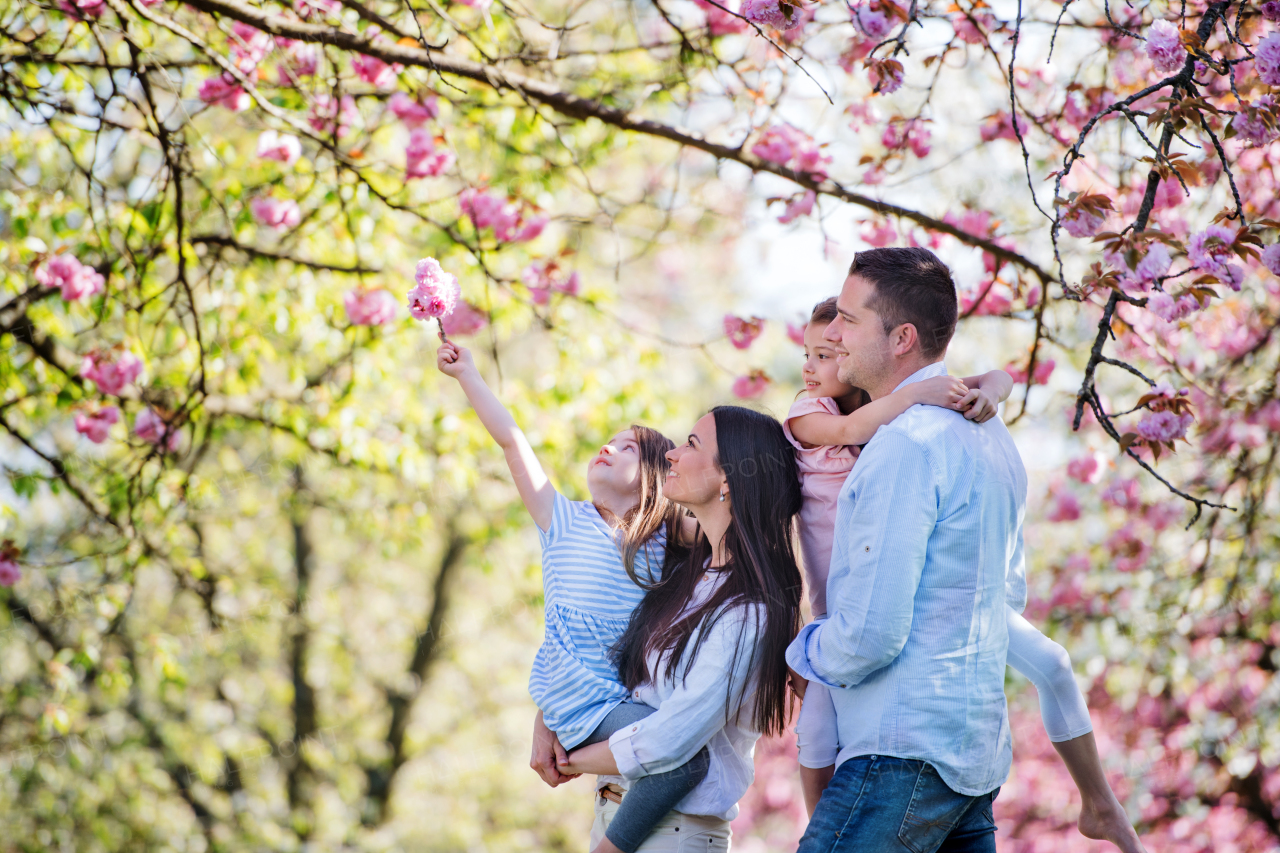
(635, 728)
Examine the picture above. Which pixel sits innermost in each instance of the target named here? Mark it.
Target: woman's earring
(723, 495)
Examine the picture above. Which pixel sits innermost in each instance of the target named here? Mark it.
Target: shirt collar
(929, 371)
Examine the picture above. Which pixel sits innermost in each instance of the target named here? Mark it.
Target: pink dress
(823, 471)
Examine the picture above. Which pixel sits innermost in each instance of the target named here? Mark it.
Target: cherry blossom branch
(253, 251)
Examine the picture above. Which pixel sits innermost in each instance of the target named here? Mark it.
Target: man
(928, 549)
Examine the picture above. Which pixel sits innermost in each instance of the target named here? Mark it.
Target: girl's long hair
(643, 521)
(764, 490)
(824, 312)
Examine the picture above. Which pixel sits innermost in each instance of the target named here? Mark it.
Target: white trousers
(675, 833)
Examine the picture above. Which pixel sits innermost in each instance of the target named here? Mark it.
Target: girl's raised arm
(531, 481)
(861, 424)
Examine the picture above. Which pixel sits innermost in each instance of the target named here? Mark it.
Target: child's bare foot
(1109, 823)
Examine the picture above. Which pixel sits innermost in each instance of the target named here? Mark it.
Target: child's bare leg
(814, 780)
(1101, 815)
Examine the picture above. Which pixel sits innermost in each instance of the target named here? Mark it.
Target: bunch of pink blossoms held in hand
(76, 280)
(436, 292)
(1164, 46)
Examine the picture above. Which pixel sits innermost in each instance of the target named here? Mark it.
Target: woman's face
(820, 365)
(695, 478)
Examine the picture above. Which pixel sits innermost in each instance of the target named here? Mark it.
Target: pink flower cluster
(1271, 255)
(301, 60)
(1153, 265)
(752, 385)
(742, 332)
(82, 10)
(1163, 426)
(224, 91)
(1270, 10)
(771, 13)
(328, 114)
(995, 301)
(879, 233)
(1064, 506)
(1084, 469)
(422, 158)
(886, 75)
(10, 573)
(280, 214)
(506, 218)
(1164, 47)
(1082, 223)
(151, 428)
(466, 319)
(1267, 61)
(1001, 126)
(872, 23)
(374, 71)
(77, 281)
(95, 424)
(720, 22)
(436, 292)
(1044, 369)
(795, 332)
(789, 146)
(1256, 123)
(111, 375)
(1172, 310)
(412, 112)
(542, 277)
(1210, 250)
(248, 46)
(913, 134)
(799, 205)
(279, 146)
(374, 307)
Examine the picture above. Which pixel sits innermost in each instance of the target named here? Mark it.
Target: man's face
(862, 346)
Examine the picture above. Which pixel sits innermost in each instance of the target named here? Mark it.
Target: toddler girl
(595, 555)
(825, 428)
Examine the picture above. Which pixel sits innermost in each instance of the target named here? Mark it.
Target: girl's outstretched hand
(454, 360)
(945, 391)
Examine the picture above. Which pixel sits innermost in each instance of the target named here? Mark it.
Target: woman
(706, 646)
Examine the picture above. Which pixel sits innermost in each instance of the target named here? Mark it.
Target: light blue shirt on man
(928, 550)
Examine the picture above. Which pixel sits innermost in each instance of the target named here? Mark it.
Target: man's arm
(883, 525)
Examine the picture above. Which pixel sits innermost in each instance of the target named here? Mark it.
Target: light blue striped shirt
(589, 599)
(928, 549)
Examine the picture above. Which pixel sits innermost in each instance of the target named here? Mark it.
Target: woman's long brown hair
(764, 489)
(643, 521)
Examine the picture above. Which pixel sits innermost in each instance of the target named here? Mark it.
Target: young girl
(825, 429)
(594, 556)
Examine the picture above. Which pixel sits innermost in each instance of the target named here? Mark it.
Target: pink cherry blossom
(752, 385)
(308, 9)
(466, 319)
(1271, 255)
(742, 332)
(1251, 127)
(1163, 426)
(1130, 548)
(224, 91)
(280, 214)
(1082, 223)
(327, 114)
(542, 277)
(1270, 10)
(886, 75)
(913, 133)
(506, 218)
(970, 28)
(1267, 63)
(1154, 264)
(248, 45)
(771, 13)
(479, 5)
(301, 60)
(1084, 469)
(436, 292)
(1210, 250)
(373, 71)
(111, 375)
(995, 303)
(795, 333)
(412, 112)
(82, 10)
(151, 428)
(1018, 372)
(879, 233)
(720, 22)
(279, 146)
(1001, 126)
(1123, 493)
(1164, 46)
(422, 157)
(871, 22)
(369, 307)
(789, 146)
(1172, 310)
(800, 205)
(76, 280)
(10, 572)
(96, 424)
(1065, 507)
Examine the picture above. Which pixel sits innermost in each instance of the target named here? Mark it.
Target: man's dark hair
(912, 285)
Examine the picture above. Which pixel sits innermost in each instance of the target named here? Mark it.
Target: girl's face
(820, 366)
(695, 478)
(615, 470)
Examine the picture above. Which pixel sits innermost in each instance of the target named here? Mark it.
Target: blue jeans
(878, 803)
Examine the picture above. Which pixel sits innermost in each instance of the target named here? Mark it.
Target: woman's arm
(987, 392)
(696, 709)
(860, 425)
(535, 489)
